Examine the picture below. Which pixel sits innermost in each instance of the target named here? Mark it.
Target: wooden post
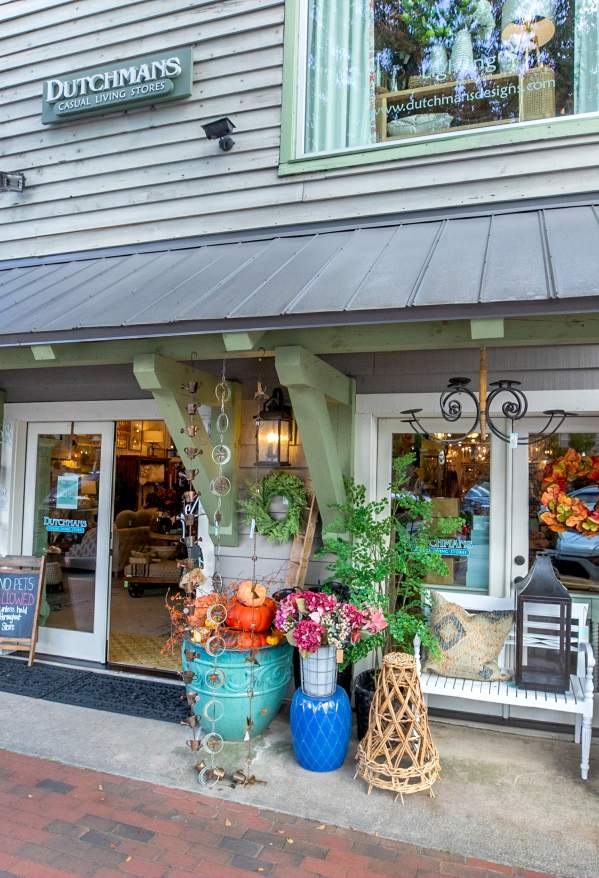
(165, 379)
(323, 404)
(482, 393)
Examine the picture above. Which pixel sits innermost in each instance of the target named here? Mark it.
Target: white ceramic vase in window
(436, 61)
(484, 20)
(461, 63)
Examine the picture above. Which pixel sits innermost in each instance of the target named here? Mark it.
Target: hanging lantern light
(274, 427)
(543, 630)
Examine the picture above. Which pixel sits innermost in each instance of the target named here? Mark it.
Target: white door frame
(379, 414)
(101, 416)
(85, 645)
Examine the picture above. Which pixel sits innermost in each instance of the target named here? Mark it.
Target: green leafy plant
(431, 22)
(256, 505)
(382, 553)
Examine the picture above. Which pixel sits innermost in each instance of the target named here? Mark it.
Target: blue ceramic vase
(320, 729)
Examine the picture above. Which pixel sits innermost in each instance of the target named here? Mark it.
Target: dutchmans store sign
(149, 79)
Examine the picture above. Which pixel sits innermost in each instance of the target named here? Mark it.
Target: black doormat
(125, 695)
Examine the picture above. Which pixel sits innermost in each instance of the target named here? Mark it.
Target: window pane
(380, 70)
(65, 526)
(456, 480)
(576, 556)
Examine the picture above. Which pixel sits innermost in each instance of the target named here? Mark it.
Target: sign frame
(153, 78)
(24, 564)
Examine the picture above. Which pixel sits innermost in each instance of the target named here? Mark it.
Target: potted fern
(381, 552)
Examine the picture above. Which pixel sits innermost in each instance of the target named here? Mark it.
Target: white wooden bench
(577, 701)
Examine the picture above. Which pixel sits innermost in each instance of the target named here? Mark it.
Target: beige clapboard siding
(111, 178)
(149, 175)
(230, 48)
(339, 187)
(227, 181)
(142, 195)
(89, 17)
(278, 214)
(264, 88)
(170, 161)
(193, 206)
(136, 124)
(171, 35)
(129, 141)
(257, 51)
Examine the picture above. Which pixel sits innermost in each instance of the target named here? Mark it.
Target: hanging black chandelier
(513, 407)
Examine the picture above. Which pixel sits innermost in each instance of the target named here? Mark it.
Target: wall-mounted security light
(220, 130)
(13, 181)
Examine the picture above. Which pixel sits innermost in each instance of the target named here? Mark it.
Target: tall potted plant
(381, 551)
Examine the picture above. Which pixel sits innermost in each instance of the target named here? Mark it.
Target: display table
(136, 585)
(492, 99)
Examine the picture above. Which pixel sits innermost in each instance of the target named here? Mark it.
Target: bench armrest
(417, 654)
(587, 649)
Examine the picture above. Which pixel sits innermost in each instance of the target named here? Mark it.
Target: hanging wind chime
(205, 735)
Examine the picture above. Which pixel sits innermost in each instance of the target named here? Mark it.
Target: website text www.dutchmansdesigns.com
(461, 96)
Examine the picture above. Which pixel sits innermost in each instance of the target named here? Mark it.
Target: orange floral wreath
(563, 512)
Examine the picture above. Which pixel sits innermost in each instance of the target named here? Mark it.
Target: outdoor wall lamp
(220, 129)
(514, 406)
(274, 428)
(13, 181)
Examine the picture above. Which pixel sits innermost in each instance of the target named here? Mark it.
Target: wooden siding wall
(272, 563)
(149, 175)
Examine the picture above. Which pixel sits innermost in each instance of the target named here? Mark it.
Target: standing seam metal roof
(530, 256)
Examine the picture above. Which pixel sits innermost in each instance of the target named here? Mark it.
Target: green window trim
(439, 144)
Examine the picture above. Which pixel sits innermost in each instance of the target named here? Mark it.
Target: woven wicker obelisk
(397, 752)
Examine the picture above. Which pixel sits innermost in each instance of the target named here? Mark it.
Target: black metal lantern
(543, 630)
(274, 426)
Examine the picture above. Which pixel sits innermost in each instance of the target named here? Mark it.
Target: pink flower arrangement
(312, 619)
(307, 635)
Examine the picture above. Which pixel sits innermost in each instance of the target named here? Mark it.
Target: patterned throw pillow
(470, 643)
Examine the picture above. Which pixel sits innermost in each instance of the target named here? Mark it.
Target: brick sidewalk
(57, 821)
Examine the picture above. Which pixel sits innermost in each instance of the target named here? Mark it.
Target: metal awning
(499, 263)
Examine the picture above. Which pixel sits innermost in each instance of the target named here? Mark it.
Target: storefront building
(382, 215)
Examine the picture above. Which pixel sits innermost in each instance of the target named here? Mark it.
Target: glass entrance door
(68, 484)
(460, 480)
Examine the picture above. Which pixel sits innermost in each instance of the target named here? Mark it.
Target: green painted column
(165, 379)
(323, 406)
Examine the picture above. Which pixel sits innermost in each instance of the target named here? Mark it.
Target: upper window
(390, 70)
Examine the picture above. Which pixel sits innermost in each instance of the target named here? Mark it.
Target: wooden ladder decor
(301, 548)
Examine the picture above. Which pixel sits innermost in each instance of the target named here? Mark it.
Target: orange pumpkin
(251, 594)
(199, 609)
(256, 619)
(249, 640)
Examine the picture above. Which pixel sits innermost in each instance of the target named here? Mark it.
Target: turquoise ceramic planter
(271, 678)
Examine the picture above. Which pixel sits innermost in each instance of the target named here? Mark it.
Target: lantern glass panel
(272, 443)
(543, 630)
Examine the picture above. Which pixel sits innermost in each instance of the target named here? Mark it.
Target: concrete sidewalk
(508, 798)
